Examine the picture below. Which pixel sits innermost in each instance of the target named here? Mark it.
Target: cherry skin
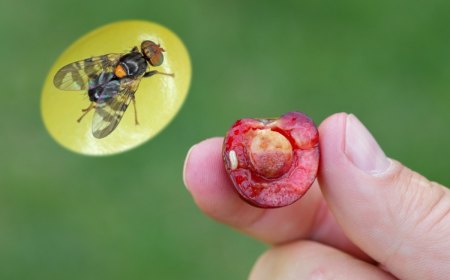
(272, 162)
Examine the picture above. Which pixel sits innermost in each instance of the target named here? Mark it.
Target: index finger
(308, 218)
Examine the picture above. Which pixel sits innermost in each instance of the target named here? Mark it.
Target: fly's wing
(112, 104)
(79, 74)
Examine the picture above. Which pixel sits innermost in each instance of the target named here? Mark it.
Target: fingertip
(203, 163)
(331, 132)
(185, 167)
(332, 142)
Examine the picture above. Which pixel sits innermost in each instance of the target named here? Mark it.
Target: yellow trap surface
(158, 97)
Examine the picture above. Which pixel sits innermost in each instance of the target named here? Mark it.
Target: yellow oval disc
(158, 98)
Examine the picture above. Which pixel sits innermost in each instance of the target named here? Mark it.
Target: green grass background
(67, 216)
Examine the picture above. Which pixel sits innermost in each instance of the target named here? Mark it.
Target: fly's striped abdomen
(109, 111)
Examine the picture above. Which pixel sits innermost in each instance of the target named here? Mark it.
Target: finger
(205, 177)
(311, 260)
(395, 215)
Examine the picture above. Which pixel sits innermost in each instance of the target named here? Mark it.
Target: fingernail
(185, 165)
(362, 149)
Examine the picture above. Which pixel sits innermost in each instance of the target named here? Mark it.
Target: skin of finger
(311, 260)
(399, 218)
(213, 192)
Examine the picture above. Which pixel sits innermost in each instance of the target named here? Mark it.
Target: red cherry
(272, 162)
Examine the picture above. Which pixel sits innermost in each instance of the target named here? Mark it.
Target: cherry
(272, 162)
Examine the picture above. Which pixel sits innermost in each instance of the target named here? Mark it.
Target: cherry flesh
(272, 162)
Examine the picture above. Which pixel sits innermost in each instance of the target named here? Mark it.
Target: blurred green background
(67, 216)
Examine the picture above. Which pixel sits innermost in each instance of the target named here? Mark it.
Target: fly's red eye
(152, 52)
(156, 59)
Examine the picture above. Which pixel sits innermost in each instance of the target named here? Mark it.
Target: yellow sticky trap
(158, 98)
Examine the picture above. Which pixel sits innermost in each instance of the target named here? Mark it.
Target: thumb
(395, 215)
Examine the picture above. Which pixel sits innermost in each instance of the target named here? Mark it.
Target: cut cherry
(272, 162)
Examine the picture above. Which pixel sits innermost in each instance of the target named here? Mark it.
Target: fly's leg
(135, 111)
(154, 72)
(85, 111)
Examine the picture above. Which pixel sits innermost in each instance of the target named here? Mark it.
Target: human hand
(367, 216)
